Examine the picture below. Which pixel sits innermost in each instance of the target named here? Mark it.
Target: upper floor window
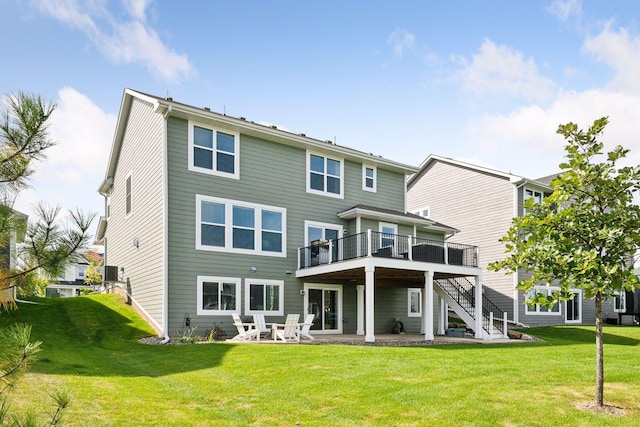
(369, 178)
(388, 235)
(532, 194)
(128, 196)
(325, 175)
(214, 151)
(232, 226)
(81, 272)
(423, 212)
(541, 309)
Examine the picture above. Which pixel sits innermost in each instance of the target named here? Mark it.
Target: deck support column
(428, 306)
(360, 305)
(369, 303)
(443, 319)
(478, 309)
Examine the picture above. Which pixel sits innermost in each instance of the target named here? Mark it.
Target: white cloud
(127, 41)
(400, 41)
(72, 170)
(620, 51)
(525, 141)
(502, 70)
(565, 9)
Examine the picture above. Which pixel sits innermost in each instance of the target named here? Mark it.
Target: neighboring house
(208, 215)
(73, 281)
(482, 202)
(8, 251)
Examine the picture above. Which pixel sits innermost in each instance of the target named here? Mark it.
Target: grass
(90, 348)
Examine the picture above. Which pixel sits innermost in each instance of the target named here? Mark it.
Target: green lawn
(90, 348)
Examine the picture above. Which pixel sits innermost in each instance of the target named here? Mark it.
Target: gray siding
(270, 174)
(140, 158)
(478, 204)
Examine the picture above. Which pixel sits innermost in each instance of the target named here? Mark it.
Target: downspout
(516, 305)
(165, 232)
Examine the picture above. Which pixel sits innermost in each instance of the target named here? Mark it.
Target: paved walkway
(388, 340)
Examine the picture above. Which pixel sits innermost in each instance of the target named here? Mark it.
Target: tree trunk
(599, 352)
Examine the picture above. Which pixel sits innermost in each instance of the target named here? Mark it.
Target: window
(423, 212)
(81, 272)
(264, 297)
(415, 302)
(213, 151)
(369, 178)
(318, 235)
(218, 295)
(573, 307)
(128, 196)
(537, 308)
(620, 302)
(531, 194)
(240, 227)
(324, 175)
(388, 234)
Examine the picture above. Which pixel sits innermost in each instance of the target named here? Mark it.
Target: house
(11, 234)
(73, 281)
(482, 202)
(208, 215)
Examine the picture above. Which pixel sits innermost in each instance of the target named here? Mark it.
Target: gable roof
(517, 180)
(383, 214)
(169, 107)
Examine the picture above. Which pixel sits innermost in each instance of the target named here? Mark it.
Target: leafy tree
(93, 275)
(583, 235)
(20, 352)
(50, 245)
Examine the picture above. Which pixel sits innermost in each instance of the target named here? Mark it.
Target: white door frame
(324, 286)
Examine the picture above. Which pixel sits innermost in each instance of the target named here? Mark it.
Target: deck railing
(386, 245)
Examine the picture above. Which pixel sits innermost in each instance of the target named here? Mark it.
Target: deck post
(428, 306)
(443, 318)
(369, 242)
(369, 297)
(505, 332)
(360, 305)
(478, 309)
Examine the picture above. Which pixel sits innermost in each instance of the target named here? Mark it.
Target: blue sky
(485, 82)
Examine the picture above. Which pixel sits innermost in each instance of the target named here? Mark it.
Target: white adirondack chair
(261, 325)
(288, 331)
(306, 327)
(246, 331)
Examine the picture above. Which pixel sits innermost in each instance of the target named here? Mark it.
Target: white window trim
(577, 294)
(622, 296)
(525, 198)
(325, 192)
(364, 178)
(412, 291)
(323, 225)
(247, 296)
(422, 209)
(228, 247)
(536, 312)
(236, 154)
(201, 279)
(381, 225)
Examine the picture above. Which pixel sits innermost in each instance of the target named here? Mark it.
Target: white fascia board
(277, 135)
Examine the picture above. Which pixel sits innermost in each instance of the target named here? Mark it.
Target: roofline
(396, 218)
(517, 180)
(167, 106)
